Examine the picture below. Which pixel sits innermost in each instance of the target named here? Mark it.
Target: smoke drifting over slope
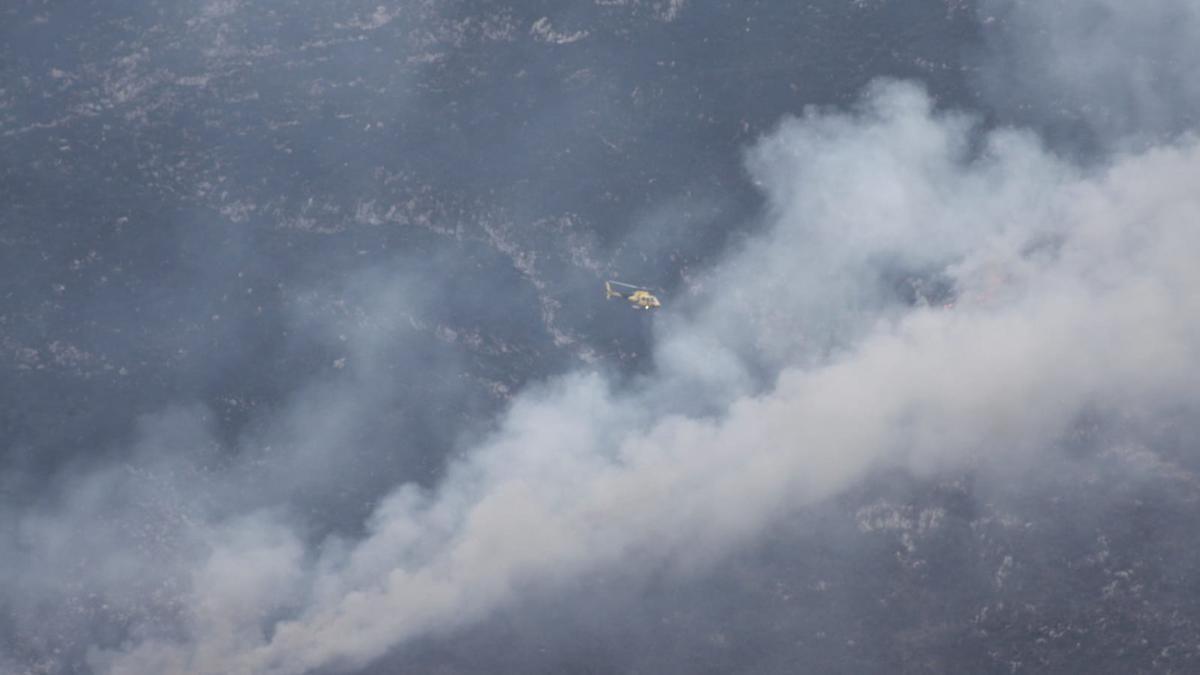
(920, 296)
(1072, 293)
(1110, 71)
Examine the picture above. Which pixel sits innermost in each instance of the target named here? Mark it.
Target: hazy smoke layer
(1070, 290)
(924, 295)
(1119, 70)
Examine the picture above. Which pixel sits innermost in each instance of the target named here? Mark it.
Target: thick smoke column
(305, 250)
(1072, 291)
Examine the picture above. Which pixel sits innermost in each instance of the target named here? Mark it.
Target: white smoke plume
(1073, 288)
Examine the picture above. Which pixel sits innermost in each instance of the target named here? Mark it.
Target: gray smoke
(1072, 291)
(924, 293)
(1114, 73)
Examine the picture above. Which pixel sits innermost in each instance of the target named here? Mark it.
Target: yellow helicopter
(639, 296)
